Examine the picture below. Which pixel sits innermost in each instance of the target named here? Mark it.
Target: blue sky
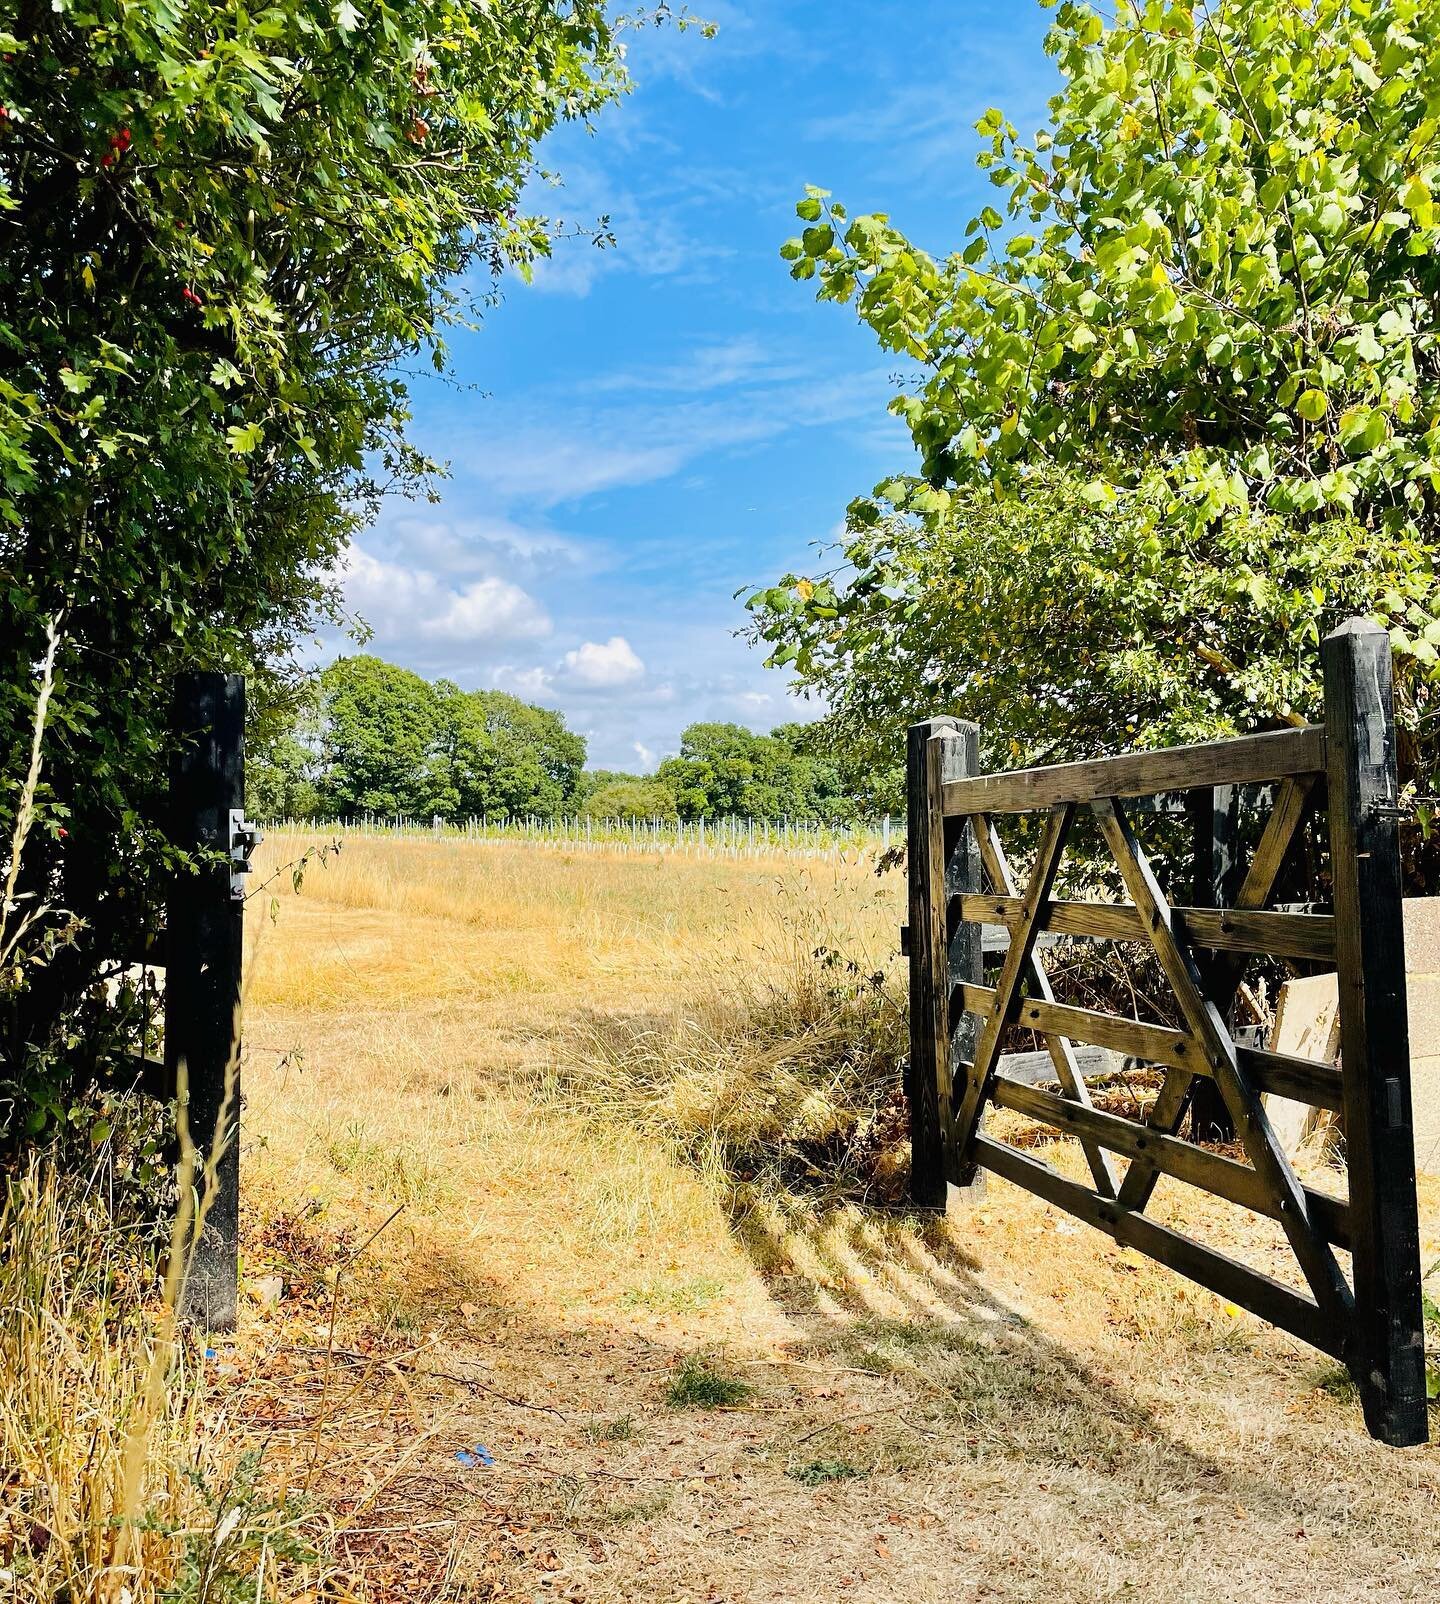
(649, 427)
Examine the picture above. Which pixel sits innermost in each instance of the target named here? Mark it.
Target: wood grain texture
(1330, 1289)
(927, 1083)
(1281, 829)
(1248, 758)
(1012, 971)
(204, 951)
(1196, 1166)
(1310, 936)
(1268, 1071)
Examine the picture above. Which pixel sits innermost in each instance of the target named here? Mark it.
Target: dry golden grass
(124, 1476)
(554, 1066)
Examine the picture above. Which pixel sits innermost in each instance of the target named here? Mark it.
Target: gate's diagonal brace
(1007, 987)
(1169, 1108)
(1062, 1054)
(1316, 1259)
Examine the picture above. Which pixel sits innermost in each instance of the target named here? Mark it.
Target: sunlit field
(638, 1122)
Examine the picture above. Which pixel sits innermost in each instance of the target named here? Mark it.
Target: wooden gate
(1369, 1318)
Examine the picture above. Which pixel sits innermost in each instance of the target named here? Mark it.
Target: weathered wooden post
(944, 861)
(204, 945)
(1388, 1349)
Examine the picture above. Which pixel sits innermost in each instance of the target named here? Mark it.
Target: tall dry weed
(119, 1483)
(778, 1066)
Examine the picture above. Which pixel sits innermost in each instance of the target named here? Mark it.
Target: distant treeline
(374, 738)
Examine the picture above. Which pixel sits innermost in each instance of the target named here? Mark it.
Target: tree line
(374, 738)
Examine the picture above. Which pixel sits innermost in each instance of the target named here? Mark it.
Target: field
(605, 1352)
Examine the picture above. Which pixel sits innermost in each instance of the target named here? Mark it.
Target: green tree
(631, 796)
(388, 741)
(283, 777)
(511, 757)
(1207, 297)
(226, 231)
(1064, 628)
(843, 780)
(591, 780)
(382, 742)
(726, 770)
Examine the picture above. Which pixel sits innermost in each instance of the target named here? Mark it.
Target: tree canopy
(377, 738)
(726, 770)
(1204, 306)
(630, 796)
(1064, 628)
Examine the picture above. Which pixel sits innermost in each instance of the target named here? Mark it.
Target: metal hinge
(244, 838)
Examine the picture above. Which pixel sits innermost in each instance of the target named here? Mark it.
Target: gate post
(1387, 1358)
(943, 860)
(204, 945)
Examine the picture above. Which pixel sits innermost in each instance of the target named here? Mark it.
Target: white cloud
(646, 756)
(540, 464)
(523, 682)
(600, 666)
(563, 448)
(648, 237)
(713, 365)
(402, 603)
(472, 545)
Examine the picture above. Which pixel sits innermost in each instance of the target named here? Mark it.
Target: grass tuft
(686, 1296)
(619, 1429)
(697, 1384)
(819, 1471)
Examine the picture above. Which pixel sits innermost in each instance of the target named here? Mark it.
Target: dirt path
(1000, 1406)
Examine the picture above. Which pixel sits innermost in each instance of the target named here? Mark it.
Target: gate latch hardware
(244, 838)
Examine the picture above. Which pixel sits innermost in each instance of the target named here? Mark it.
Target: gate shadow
(892, 1292)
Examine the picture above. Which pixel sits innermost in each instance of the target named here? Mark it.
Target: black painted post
(204, 945)
(1387, 1355)
(944, 861)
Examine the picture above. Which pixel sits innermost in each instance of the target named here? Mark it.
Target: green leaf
(1312, 405)
(244, 438)
(816, 241)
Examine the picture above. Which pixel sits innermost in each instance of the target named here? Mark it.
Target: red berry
(187, 294)
(62, 832)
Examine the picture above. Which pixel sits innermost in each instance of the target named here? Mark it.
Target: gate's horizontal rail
(1211, 1172)
(1301, 1078)
(1281, 935)
(1272, 1300)
(1249, 758)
